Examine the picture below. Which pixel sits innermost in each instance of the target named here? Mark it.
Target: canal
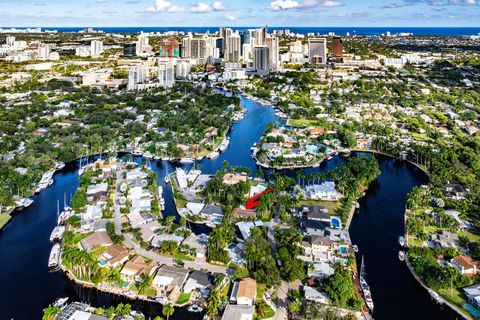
(27, 287)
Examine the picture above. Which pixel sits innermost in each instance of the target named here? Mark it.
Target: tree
(213, 303)
(295, 307)
(168, 310)
(50, 312)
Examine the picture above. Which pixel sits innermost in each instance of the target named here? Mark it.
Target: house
(161, 237)
(446, 240)
(147, 230)
(199, 243)
(137, 268)
(116, 255)
(246, 227)
(238, 312)
(244, 292)
(318, 248)
(311, 294)
(231, 178)
(324, 191)
(239, 213)
(473, 295)
(320, 270)
(455, 191)
(200, 281)
(313, 227)
(138, 218)
(466, 265)
(317, 213)
(212, 211)
(96, 239)
(170, 280)
(93, 212)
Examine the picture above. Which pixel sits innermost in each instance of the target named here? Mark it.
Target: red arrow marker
(254, 202)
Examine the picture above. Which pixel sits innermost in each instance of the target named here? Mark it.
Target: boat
(57, 233)
(60, 165)
(22, 203)
(355, 248)
(401, 255)
(213, 155)
(54, 258)
(224, 145)
(401, 241)
(195, 308)
(147, 155)
(65, 215)
(161, 300)
(60, 302)
(45, 181)
(365, 287)
(186, 160)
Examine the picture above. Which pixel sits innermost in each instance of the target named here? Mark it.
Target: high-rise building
(96, 48)
(337, 47)
(317, 50)
(224, 34)
(137, 74)
(43, 51)
(198, 48)
(169, 48)
(261, 60)
(182, 68)
(166, 75)
(82, 51)
(10, 41)
(143, 47)
(233, 48)
(130, 49)
(273, 57)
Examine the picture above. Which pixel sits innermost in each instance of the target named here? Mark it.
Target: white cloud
(165, 6)
(278, 5)
(219, 6)
(201, 8)
(283, 5)
(230, 17)
(329, 3)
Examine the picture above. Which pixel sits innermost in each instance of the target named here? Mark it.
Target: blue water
(434, 31)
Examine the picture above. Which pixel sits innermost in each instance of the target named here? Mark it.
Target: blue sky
(98, 13)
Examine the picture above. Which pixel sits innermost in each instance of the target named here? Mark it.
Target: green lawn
(331, 206)
(150, 292)
(302, 122)
(269, 313)
(182, 256)
(4, 218)
(456, 298)
(184, 298)
(261, 288)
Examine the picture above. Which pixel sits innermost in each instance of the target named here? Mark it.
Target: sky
(201, 13)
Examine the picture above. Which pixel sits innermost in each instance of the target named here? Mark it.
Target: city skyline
(279, 13)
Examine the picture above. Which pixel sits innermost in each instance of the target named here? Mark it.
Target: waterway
(27, 287)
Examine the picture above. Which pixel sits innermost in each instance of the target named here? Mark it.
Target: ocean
(421, 31)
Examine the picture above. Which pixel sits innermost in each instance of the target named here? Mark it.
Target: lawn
(261, 288)
(183, 256)
(184, 298)
(331, 206)
(457, 298)
(302, 122)
(4, 218)
(150, 292)
(269, 313)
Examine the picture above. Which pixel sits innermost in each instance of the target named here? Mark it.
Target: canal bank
(25, 245)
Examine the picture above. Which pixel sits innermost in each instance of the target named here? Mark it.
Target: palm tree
(50, 312)
(168, 310)
(294, 307)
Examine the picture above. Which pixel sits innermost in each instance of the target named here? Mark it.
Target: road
(116, 203)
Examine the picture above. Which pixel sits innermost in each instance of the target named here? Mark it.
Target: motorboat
(365, 287)
(355, 248)
(187, 160)
(60, 165)
(401, 255)
(66, 214)
(224, 145)
(57, 233)
(401, 241)
(213, 155)
(54, 258)
(45, 181)
(60, 302)
(195, 308)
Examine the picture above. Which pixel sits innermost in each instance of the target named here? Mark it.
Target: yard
(302, 122)
(331, 206)
(184, 298)
(4, 218)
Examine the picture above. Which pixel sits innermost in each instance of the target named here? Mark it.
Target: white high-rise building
(10, 41)
(198, 48)
(261, 60)
(142, 45)
(96, 48)
(82, 51)
(274, 57)
(182, 68)
(43, 52)
(247, 54)
(166, 75)
(137, 74)
(232, 48)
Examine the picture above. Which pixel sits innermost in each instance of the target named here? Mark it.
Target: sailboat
(365, 287)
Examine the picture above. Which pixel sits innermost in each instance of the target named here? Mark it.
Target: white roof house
(312, 294)
(324, 191)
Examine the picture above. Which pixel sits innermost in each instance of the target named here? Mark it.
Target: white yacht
(54, 257)
(45, 181)
(401, 241)
(57, 233)
(195, 308)
(224, 145)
